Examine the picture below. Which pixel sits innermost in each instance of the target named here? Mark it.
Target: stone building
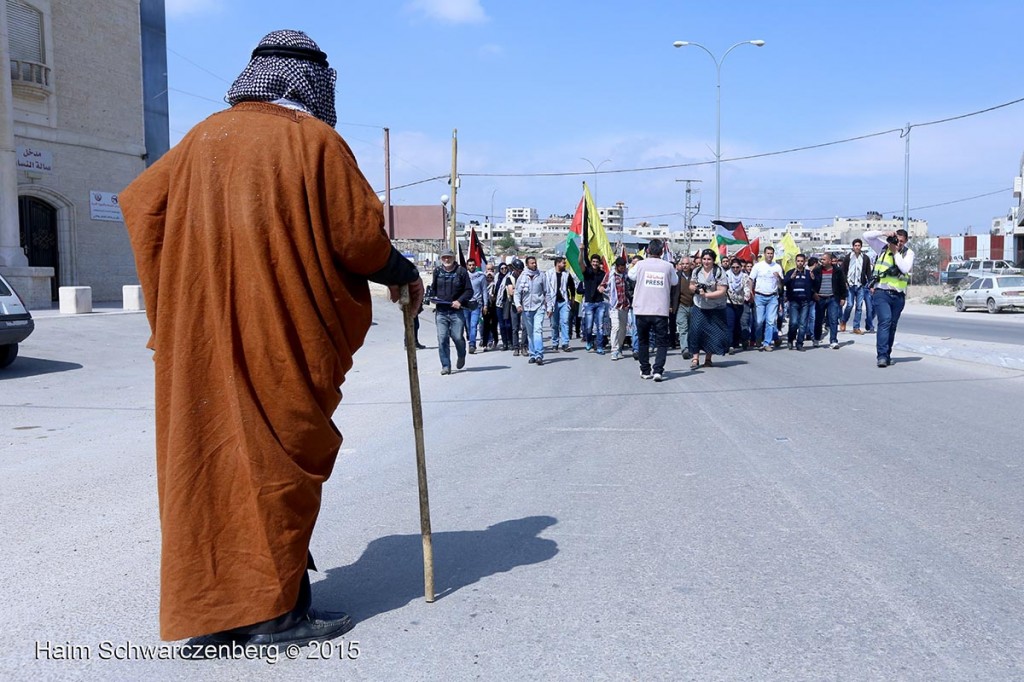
(83, 109)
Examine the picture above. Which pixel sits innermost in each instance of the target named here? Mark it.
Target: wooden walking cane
(417, 426)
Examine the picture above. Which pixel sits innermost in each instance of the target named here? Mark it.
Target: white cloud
(181, 8)
(450, 11)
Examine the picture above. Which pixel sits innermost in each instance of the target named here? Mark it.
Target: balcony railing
(32, 73)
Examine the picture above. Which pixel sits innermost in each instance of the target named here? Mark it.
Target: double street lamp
(718, 134)
(595, 169)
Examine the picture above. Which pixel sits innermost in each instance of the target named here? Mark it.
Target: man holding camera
(889, 279)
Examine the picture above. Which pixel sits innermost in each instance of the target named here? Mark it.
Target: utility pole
(689, 213)
(454, 182)
(388, 225)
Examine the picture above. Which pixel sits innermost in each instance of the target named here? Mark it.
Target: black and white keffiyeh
(302, 76)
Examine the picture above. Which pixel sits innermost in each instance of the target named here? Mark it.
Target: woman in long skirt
(708, 329)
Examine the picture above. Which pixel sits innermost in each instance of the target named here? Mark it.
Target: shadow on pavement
(485, 368)
(900, 361)
(389, 574)
(30, 367)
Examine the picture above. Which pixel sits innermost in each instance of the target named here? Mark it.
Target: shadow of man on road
(389, 574)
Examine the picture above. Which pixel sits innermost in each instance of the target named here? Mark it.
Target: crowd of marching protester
(695, 303)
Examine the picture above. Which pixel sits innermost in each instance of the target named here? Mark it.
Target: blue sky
(533, 86)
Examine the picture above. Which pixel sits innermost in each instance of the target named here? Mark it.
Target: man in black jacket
(451, 291)
(857, 267)
(829, 299)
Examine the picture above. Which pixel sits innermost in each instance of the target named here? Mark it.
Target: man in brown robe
(254, 239)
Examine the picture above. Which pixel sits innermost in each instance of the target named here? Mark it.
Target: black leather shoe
(318, 626)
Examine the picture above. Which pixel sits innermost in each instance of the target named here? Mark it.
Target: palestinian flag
(730, 234)
(751, 251)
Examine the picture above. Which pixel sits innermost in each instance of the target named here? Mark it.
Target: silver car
(992, 292)
(15, 323)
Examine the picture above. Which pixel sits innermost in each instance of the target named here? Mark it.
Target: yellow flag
(789, 252)
(713, 245)
(597, 238)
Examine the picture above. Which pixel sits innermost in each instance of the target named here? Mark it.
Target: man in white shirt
(767, 276)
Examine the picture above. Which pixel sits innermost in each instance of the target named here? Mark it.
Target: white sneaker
(834, 346)
(616, 355)
(657, 377)
(645, 376)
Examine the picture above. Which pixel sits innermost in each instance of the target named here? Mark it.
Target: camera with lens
(891, 239)
(702, 289)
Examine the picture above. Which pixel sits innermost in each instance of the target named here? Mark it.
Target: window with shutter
(25, 30)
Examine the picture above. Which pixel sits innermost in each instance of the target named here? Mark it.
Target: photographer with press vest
(890, 276)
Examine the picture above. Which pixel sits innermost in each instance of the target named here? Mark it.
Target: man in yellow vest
(889, 279)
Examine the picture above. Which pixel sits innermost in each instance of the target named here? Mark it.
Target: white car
(15, 323)
(992, 292)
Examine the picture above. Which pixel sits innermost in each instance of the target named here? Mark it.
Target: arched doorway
(38, 222)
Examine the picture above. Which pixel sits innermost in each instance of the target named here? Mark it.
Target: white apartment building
(613, 217)
(83, 109)
(849, 228)
(521, 215)
(647, 231)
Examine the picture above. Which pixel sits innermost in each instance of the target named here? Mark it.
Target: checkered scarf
(267, 78)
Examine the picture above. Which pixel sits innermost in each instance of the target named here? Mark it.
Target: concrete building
(613, 217)
(83, 108)
(847, 229)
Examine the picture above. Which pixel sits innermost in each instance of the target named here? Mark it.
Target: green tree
(926, 262)
(507, 244)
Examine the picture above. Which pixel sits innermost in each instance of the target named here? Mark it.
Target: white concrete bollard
(75, 300)
(132, 295)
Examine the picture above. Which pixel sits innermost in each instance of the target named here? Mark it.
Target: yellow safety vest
(882, 264)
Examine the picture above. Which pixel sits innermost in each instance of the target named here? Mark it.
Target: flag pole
(417, 425)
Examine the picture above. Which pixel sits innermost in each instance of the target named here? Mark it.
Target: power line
(198, 66)
(192, 94)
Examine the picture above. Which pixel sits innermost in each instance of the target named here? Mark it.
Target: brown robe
(253, 237)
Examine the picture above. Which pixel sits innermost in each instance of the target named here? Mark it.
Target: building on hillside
(83, 109)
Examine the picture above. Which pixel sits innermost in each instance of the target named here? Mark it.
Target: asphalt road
(782, 515)
(975, 326)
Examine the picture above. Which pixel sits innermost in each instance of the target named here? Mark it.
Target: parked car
(959, 274)
(15, 323)
(994, 293)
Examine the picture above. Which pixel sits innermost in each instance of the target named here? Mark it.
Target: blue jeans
(799, 312)
(766, 309)
(533, 320)
(593, 316)
(683, 326)
(827, 311)
(450, 324)
(888, 306)
(472, 319)
(634, 337)
(560, 324)
(856, 297)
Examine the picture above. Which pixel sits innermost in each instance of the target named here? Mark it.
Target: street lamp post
(595, 169)
(490, 218)
(718, 133)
